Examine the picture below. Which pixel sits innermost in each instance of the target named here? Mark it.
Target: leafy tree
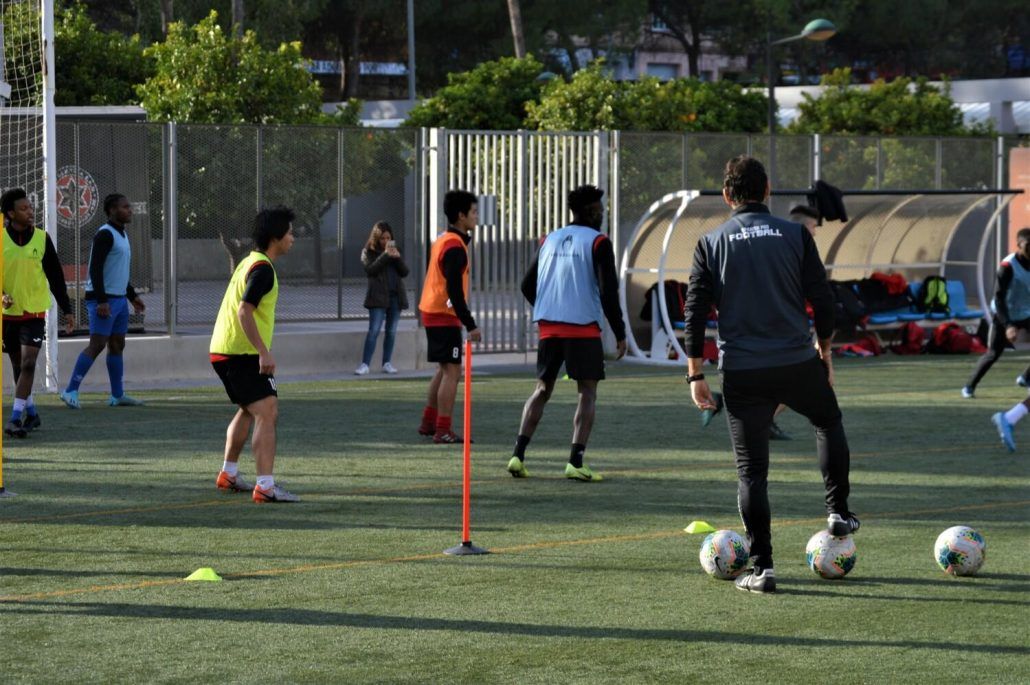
(592, 100)
(95, 67)
(568, 35)
(494, 95)
(589, 101)
(901, 107)
(203, 75)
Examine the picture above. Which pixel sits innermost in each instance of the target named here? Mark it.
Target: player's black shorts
(243, 381)
(583, 358)
(28, 332)
(444, 344)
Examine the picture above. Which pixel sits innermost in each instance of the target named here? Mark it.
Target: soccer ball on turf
(724, 554)
(960, 551)
(831, 557)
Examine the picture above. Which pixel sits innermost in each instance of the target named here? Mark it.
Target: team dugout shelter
(917, 233)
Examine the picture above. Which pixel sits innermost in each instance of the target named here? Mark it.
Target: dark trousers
(751, 398)
(996, 344)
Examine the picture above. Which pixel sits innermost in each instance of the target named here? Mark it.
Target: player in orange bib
(444, 309)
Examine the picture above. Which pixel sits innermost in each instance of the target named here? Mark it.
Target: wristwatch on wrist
(696, 377)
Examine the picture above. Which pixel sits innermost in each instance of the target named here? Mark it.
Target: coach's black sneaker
(15, 429)
(753, 581)
(841, 525)
(31, 422)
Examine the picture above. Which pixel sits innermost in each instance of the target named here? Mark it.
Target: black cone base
(465, 549)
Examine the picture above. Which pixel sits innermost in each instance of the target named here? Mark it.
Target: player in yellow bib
(241, 354)
(32, 271)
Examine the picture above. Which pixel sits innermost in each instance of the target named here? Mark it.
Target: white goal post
(28, 147)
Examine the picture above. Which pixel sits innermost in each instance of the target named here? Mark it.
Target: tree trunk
(167, 15)
(235, 246)
(353, 65)
(515, 14)
(238, 12)
(694, 52)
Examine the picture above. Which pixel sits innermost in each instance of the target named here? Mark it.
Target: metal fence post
(258, 166)
(817, 158)
(938, 171)
(1001, 246)
(602, 171)
(521, 256)
(879, 162)
(614, 200)
(171, 228)
(340, 206)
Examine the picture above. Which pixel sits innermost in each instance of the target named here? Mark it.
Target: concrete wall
(151, 361)
(207, 260)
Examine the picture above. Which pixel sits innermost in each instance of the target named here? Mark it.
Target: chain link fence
(196, 188)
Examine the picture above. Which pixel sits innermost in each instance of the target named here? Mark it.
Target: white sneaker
(1021, 382)
(967, 392)
(389, 368)
(361, 370)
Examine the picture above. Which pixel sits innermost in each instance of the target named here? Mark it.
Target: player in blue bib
(108, 295)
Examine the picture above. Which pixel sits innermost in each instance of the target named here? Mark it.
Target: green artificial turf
(588, 582)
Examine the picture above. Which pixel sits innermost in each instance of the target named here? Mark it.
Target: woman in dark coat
(386, 295)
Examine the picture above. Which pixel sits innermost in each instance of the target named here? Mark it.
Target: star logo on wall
(77, 196)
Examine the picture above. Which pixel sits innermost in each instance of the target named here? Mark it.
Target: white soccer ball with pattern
(724, 554)
(831, 557)
(960, 551)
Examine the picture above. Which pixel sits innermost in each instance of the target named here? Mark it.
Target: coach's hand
(475, 335)
(702, 395)
(620, 348)
(104, 310)
(266, 363)
(1011, 332)
(69, 323)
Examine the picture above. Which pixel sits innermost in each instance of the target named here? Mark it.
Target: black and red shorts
(244, 383)
(583, 358)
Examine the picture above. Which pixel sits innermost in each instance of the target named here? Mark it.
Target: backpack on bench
(933, 296)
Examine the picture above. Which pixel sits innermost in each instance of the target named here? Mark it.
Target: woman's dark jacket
(377, 265)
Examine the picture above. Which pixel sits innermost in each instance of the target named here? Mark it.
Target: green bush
(492, 96)
(903, 107)
(204, 76)
(591, 100)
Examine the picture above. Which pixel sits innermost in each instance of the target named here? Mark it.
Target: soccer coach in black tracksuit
(758, 270)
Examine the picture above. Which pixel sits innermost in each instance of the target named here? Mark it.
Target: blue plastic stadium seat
(679, 325)
(957, 300)
(883, 318)
(909, 315)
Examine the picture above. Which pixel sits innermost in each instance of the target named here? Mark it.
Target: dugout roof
(915, 233)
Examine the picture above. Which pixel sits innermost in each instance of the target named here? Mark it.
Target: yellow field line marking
(547, 544)
(229, 499)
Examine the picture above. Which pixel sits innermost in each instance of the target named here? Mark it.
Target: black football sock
(521, 443)
(576, 455)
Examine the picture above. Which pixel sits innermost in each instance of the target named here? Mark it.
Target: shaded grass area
(588, 582)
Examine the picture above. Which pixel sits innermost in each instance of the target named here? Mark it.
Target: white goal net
(26, 122)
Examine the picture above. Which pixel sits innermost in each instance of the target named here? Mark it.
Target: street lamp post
(817, 30)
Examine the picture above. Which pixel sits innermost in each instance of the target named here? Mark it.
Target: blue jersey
(116, 265)
(567, 288)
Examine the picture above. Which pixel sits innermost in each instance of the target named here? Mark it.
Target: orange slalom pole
(466, 547)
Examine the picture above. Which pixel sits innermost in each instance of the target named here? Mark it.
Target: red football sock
(443, 424)
(429, 416)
